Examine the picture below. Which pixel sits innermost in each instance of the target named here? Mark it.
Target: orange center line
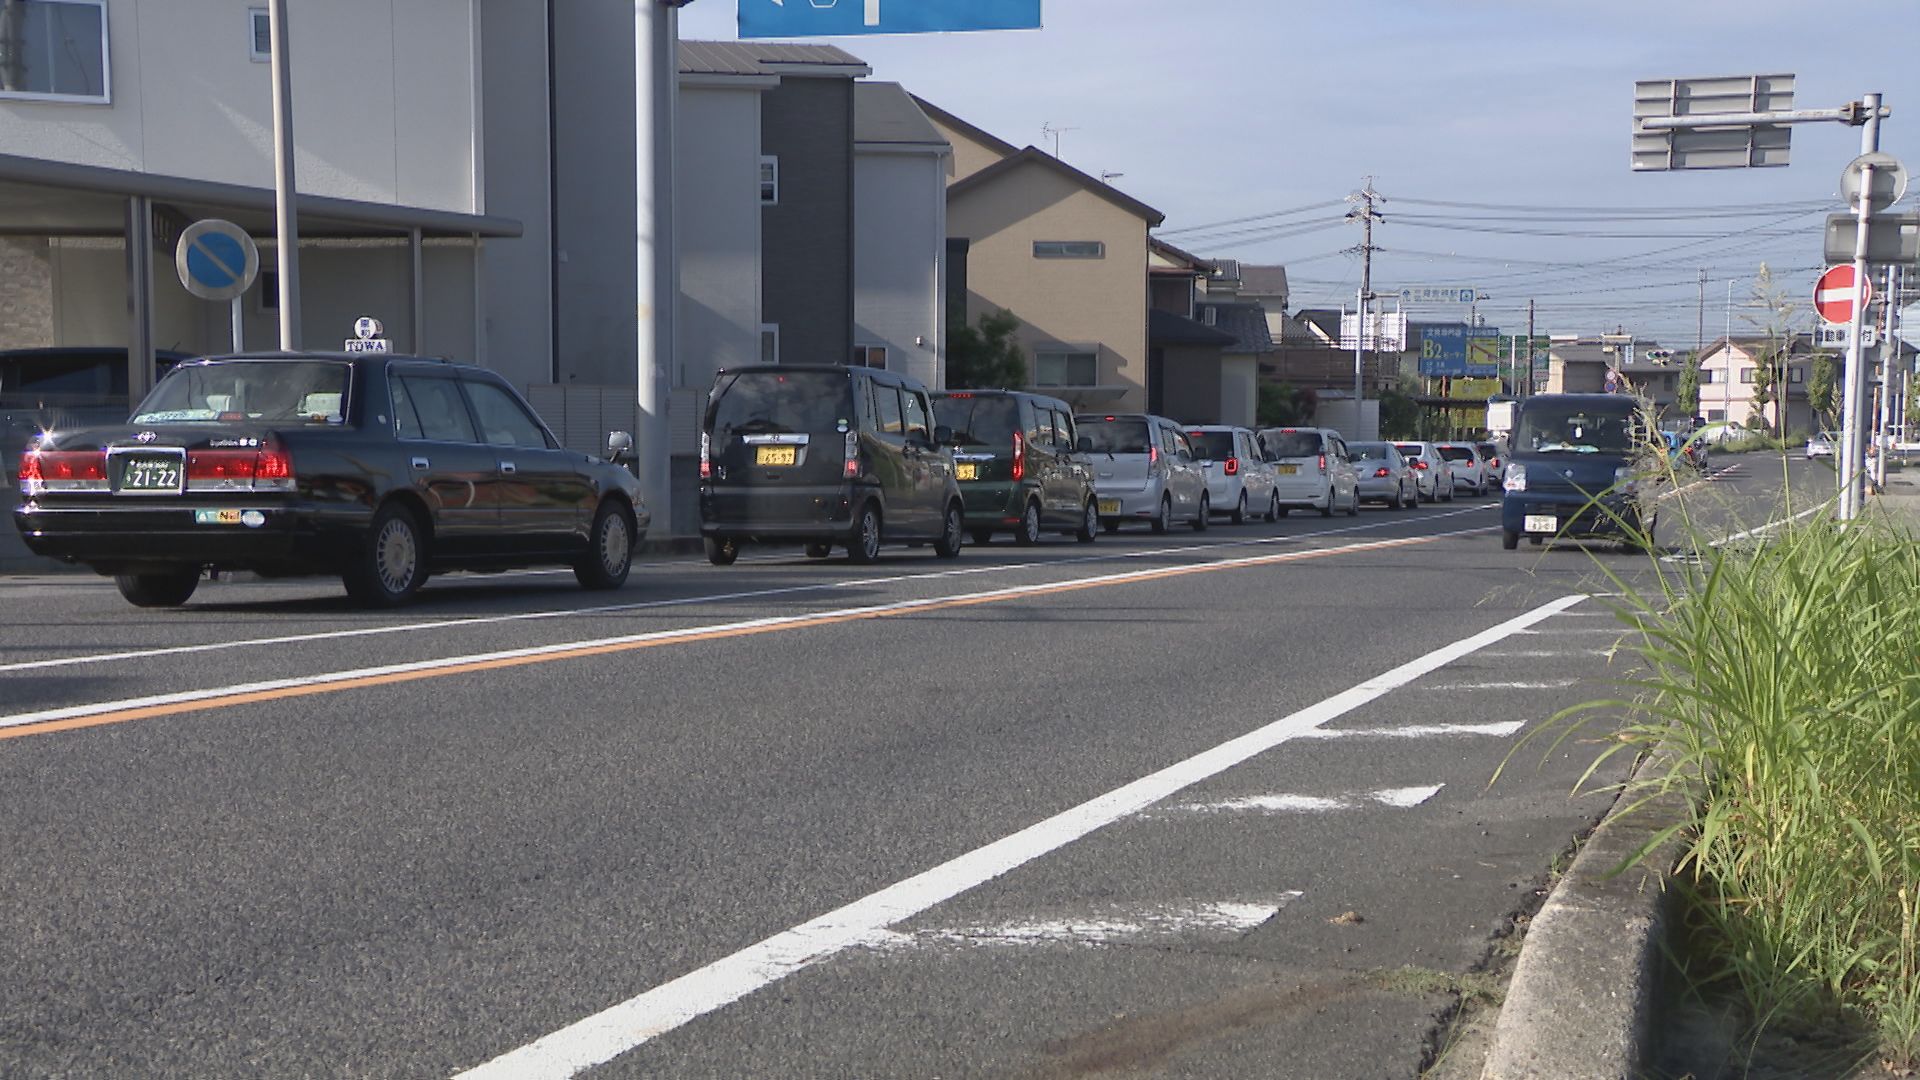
(225, 701)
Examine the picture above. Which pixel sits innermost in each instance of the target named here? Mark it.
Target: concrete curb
(1581, 1002)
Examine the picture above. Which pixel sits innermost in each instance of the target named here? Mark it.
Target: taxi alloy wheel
(165, 588)
(606, 565)
(392, 565)
(1089, 523)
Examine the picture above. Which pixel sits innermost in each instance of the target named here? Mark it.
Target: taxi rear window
(249, 392)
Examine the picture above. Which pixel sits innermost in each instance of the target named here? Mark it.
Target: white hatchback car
(1430, 472)
(1313, 470)
(1469, 467)
(1239, 480)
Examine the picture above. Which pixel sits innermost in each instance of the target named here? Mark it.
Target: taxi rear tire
(163, 588)
(609, 555)
(391, 564)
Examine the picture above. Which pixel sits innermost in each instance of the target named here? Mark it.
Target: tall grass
(1784, 677)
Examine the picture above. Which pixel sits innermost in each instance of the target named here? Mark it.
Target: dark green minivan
(824, 455)
(1015, 456)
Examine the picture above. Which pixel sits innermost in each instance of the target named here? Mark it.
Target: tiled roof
(759, 57)
(883, 113)
(1166, 328)
(1036, 156)
(1263, 280)
(1247, 323)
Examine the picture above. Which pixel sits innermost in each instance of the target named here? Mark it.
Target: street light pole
(286, 218)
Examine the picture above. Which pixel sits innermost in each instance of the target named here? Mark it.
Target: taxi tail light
(71, 470)
(851, 467)
(265, 468)
(1233, 466)
(1019, 457)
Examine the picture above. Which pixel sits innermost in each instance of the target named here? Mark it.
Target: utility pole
(1528, 381)
(1366, 215)
(1699, 346)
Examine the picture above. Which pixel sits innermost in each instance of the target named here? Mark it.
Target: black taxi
(381, 469)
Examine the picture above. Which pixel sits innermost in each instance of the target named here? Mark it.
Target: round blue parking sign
(216, 259)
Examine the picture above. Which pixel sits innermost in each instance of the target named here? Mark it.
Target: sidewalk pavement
(1584, 998)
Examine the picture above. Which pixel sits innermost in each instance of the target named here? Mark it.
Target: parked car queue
(384, 470)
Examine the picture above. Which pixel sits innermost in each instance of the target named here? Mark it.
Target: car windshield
(1293, 444)
(249, 392)
(1212, 445)
(1572, 429)
(1456, 453)
(1117, 436)
(1368, 451)
(979, 421)
(782, 403)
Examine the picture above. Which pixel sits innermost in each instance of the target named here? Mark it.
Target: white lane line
(1418, 731)
(1539, 684)
(687, 601)
(1399, 798)
(1542, 654)
(1227, 917)
(1770, 526)
(702, 631)
(1616, 631)
(620, 1028)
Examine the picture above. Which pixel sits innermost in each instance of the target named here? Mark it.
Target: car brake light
(1153, 455)
(1382, 471)
(1421, 465)
(851, 467)
(1233, 466)
(1493, 463)
(268, 468)
(1323, 463)
(63, 470)
(1019, 457)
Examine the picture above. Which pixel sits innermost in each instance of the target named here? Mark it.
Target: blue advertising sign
(1446, 351)
(834, 18)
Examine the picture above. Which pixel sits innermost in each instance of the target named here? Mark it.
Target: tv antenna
(1047, 129)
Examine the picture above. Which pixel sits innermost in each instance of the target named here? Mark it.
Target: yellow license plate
(1287, 470)
(966, 471)
(775, 455)
(1109, 506)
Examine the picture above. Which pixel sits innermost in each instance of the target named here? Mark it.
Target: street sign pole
(1853, 407)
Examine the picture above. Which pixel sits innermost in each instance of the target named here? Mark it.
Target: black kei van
(1576, 470)
(824, 455)
(1014, 454)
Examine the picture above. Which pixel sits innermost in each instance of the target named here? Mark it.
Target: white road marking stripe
(1418, 731)
(687, 601)
(188, 696)
(1541, 654)
(1542, 684)
(620, 1028)
(1215, 918)
(1400, 798)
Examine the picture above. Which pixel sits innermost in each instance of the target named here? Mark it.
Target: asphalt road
(1205, 805)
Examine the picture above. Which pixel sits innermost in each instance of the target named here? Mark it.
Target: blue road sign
(1443, 349)
(834, 18)
(216, 259)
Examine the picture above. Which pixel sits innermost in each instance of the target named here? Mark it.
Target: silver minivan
(1144, 469)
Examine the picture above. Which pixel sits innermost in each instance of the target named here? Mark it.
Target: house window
(269, 295)
(769, 343)
(870, 356)
(1746, 375)
(261, 45)
(1060, 368)
(769, 181)
(1797, 375)
(1069, 249)
(55, 50)
(1716, 416)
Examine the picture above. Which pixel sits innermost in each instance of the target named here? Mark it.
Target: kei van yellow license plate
(775, 455)
(966, 470)
(1287, 470)
(1109, 506)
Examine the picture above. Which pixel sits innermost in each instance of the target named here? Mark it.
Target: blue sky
(1216, 110)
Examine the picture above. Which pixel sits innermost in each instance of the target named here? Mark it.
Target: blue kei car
(1574, 471)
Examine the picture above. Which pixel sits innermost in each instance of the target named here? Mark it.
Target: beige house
(1063, 251)
(1728, 370)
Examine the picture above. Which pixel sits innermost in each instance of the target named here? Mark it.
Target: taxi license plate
(1542, 523)
(1109, 506)
(1287, 470)
(775, 455)
(966, 471)
(159, 473)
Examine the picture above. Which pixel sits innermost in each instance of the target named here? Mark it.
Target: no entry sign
(1836, 293)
